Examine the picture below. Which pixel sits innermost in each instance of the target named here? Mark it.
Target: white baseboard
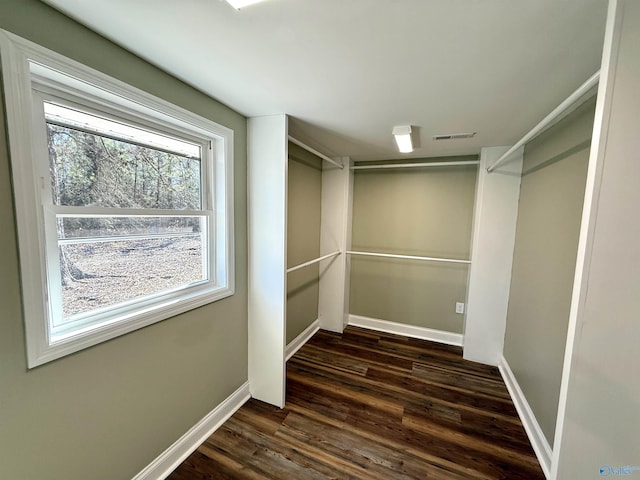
(173, 456)
(297, 343)
(423, 333)
(538, 441)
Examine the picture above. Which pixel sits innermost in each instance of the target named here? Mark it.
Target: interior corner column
(494, 230)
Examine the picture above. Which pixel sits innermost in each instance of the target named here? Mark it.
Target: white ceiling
(349, 70)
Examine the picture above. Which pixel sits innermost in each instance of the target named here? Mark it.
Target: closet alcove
(539, 306)
(407, 263)
(394, 245)
(529, 211)
(410, 252)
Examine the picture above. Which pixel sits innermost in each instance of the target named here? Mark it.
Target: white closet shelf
(415, 165)
(315, 152)
(314, 261)
(547, 121)
(408, 257)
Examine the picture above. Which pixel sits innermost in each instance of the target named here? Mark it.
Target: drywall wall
(494, 232)
(408, 291)
(549, 212)
(106, 412)
(267, 221)
(417, 211)
(335, 236)
(598, 429)
(304, 195)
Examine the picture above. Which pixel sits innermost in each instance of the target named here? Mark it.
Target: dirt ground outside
(118, 271)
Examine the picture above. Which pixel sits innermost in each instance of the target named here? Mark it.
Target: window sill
(62, 345)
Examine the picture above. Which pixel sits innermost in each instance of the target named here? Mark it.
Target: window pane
(73, 229)
(100, 270)
(69, 117)
(88, 169)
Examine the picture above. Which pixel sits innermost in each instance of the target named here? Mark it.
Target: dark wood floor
(370, 405)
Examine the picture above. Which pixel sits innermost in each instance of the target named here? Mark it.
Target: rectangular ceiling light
(402, 134)
(238, 4)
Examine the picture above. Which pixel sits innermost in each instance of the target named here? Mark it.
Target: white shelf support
(314, 261)
(333, 295)
(494, 234)
(408, 257)
(549, 119)
(267, 252)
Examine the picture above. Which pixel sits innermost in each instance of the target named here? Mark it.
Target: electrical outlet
(459, 307)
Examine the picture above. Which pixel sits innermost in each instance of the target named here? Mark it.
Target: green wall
(549, 214)
(106, 412)
(417, 211)
(303, 238)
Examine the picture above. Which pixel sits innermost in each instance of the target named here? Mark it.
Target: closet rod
(315, 152)
(311, 262)
(411, 165)
(549, 119)
(408, 257)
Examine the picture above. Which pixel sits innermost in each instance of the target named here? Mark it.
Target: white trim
(173, 456)
(536, 436)
(100, 212)
(22, 61)
(412, 331)
(297, 343)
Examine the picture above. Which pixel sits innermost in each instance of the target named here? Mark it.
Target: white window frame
(29, 69)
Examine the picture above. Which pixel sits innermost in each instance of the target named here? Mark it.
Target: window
(124, 203)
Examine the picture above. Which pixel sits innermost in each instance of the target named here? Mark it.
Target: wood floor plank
(475, 383)
(392, 390)
(337, 362)
(213, 465)
(379, 435)
(369, 458)
(488, 428)
(375, 406)
(468, 441)
(264, 454)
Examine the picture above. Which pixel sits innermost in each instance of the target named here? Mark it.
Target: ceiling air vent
(454, 136)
